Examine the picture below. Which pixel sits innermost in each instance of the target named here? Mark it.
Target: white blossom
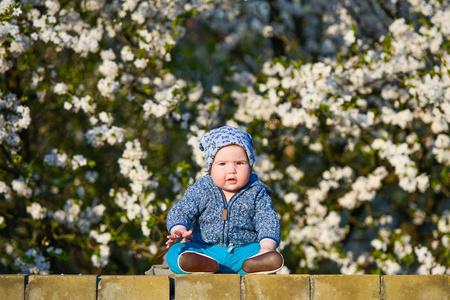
(152, 108)
(141, 63)
(92, 5)
(425, 258)
(36, 211)
(295, 173)
(291, 198)
(107, 87)
(56, 158)
(17, 11)
(103, 238)
(127, 54)
(101, 134)
(85, 103)
(391, 267)
(109, 69)
(78, 161)
(444, 222)
(69, 215)
(379, 245)
(103, 259)
(61, 88)
(153, 249)
(267, 31)
(21, 188)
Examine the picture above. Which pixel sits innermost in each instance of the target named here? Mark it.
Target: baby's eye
(221, 164)
(241, 163)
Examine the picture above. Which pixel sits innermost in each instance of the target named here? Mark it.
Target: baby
(226, 219)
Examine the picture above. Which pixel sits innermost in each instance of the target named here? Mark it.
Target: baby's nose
(232, 169)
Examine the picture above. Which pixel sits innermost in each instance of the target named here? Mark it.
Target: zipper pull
(224, 214)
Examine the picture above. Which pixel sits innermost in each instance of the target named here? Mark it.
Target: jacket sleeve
(185, 211)
(266, 219)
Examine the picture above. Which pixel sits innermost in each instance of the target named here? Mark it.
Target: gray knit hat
(218, 138)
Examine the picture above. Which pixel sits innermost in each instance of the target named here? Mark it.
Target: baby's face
(230, 169)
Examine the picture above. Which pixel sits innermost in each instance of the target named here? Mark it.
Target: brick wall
(217, 286)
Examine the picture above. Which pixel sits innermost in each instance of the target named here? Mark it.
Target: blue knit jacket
(250, 214)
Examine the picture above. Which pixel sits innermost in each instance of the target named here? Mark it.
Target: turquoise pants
(230, 259)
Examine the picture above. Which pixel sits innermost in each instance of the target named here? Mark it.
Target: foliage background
(103, 102)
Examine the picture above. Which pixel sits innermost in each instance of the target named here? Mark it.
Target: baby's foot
(192, 262)
(263, 263)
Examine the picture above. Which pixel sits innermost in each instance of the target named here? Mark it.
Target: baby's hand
(185, 235)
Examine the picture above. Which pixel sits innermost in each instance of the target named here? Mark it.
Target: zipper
(224, 215)
(226, 209)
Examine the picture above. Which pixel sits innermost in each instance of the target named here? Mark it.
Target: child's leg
(230, 260)
(238, 255)
(178, 249)
(266, 263)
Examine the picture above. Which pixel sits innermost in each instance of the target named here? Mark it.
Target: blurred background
(103, 102)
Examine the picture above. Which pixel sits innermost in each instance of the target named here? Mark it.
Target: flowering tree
(103, 103)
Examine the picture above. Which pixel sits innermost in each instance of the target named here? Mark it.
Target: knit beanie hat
(218, 138)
